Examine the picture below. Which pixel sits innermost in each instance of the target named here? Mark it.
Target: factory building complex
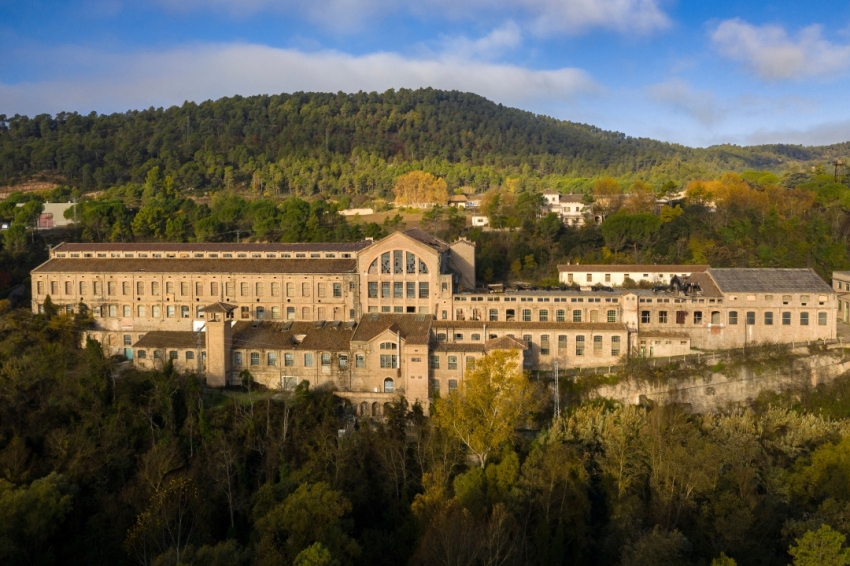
(403, 315)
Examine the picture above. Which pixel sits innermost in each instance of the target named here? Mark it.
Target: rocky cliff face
(722, 385)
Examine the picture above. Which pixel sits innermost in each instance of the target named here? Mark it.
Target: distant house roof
(571, 198)
(505, 343)
(596, 268)
(220, 307)
(458, 198)
(226, 247)
(192, 265)
(414, 328)
(778, 280)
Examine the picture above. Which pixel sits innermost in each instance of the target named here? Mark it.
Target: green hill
(305, 143)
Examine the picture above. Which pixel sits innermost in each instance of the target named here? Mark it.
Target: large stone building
(402, 315)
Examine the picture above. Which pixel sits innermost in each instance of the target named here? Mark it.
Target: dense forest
(355, 144)
(150, 468)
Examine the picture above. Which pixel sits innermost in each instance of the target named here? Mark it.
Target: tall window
(562, 342)
(305, 289)
(275, 289)
(244, 289)
(342, 361)
(579, 345)
(645, 317)
(452, 363)
(662, 317)
(526, 315)
(697, 317)
(155, 288)
(615, 345)
(237, 358)
(230, 288)
(411, 289)
(360, 361)
(373, 289)
(290, 289)
(597, 345)
(423, 288)
(326, 359)
(308, 360)
(494, 314)
(337, 289)
(544, 345)
(398, 290)
(822, 319)
(543, 315)
(255, 358)
(751, 318)
(560, 315)
(388, 385)
(271, 359)
(385, 290)
(576, 316)
(804, 319)
(786, 319)
(82, 287)
(434, 362)
(733, 317)
(110, 288)
(184, 289)
(140, 288)
(768, 319)
(320, 290)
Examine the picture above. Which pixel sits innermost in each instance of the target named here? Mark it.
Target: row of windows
(213, 255)
(732, 317)
(398, 290)
(580, 345)
(184, 311)
(398, 262)
(200, 287)
(289, 359)
(496, 299)
(543, 315)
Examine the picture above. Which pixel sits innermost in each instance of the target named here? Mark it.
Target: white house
(615, 275)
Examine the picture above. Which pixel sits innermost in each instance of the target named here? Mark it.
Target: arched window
(385, 263)
(364, 409)
(373, 267)
(376, 409)
(388, 385)
(410, 261)
(422, 267)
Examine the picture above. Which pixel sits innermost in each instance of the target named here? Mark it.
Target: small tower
(219, 318)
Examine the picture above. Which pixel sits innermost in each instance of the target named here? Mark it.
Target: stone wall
(715, 390)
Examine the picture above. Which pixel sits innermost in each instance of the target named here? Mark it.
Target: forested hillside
(334, 144)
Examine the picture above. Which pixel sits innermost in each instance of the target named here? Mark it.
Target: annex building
(403, 315)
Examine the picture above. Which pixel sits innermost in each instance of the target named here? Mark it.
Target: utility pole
(557, 394)
(237, 235)
(198, 360)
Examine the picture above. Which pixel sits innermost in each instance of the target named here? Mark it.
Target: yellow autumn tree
(419, 188)
(641, 198)
(494, 400)
(607, 196)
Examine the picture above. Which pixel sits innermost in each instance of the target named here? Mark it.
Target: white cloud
(700, 105)
(818, 134)
(113, 82)
(772, 54)
(544, 16)
(491, 46)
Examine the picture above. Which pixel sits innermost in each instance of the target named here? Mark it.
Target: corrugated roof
(192, 265)
(777, 280)
(216, 247)
(303, 335)
(676, 269)
(414, 328)
(520, 326)
(171, 339)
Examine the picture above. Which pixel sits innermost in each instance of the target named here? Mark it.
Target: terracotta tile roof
(427, 239)
(220, 307)
(505, 343)
(521, 326)
(414, 328)
(332, 336)
(775, 280)
(192, 265)
(642, 268)
(174, 339)
(226, 247)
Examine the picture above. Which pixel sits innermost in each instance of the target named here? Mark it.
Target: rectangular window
(326, 359)
(597, 345)
(543, 315)
(140, 288)
(96, 290)
(308, 360)
(271, 359)
(199, 289)
(275, 312)
(190, 355)
(40, 287)
(127, 310)
(576, 316)
(275, 289)
(128, 340)
(184, 312)
(786, 319)
(821, 319)
(544, 345)
(751, 318)
(113, 310)
(645, 317)
(733, 317)
(560, 315)
(579, 345)
(172, 354)
(199, 311)
(82, 287)
(385, 290)
(697, 317)
(261, 313)
(398, 290)
(305, 289)
(255, 358)
(230, 288)
(110, 288)
(768, 319)
(320, 289)
(258, 289)
(125, 287)
(360, 361)
(612, 316)
(681, 316)
(615, 345)
(237, 358)
(69, 288)
(288, 360)
(290, 289)
(662, 317)
(140, 310)
(804, 319)
(411, 290)
(389, 361)
(494, 315)
(526, 315)
(470, 363)
(155, 288)
(337, 290)
(562, 342)
(435, 362)
(423, 290)
(290, 313)
(155, 311)
(342, 361)
(373, 289)
(452, 362)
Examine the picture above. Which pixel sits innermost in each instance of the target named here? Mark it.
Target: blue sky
(697, 73)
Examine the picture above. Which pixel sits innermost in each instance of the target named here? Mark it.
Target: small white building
(569, 208)
(357, 212)
(615, 275)
(480, 220)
